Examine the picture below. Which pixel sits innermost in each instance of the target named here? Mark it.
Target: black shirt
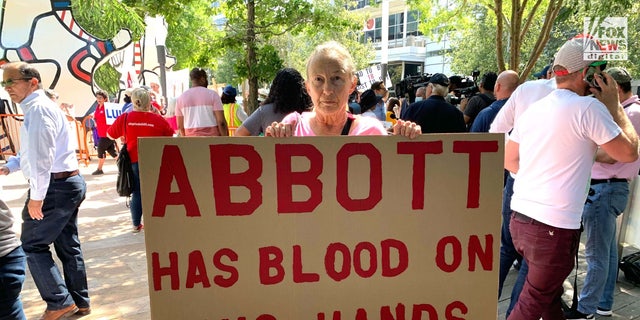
(435, 115)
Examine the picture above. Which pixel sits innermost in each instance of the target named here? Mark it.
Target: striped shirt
(197, 106)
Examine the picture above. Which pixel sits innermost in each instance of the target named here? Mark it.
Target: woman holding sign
(141, 122)
(330, 80)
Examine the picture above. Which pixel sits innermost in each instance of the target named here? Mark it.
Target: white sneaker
(605, 313)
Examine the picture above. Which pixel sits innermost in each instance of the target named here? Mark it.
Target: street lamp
(160, 36)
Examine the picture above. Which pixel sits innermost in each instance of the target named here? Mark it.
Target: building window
(413, 17)
(374, 35)
(396, 26)
(359, 4)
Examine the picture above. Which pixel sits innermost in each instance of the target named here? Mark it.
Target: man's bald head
(506, 83)
(421, 92)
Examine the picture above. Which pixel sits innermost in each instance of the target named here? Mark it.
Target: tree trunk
(515, 40)
(550, 16)
(499, 35)
(252, 104)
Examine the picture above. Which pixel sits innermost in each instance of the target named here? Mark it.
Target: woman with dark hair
(288, 94)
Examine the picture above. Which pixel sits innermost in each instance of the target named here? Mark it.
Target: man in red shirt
(103, 144)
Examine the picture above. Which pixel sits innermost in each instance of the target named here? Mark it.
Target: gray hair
(335, 51)
(141, 99)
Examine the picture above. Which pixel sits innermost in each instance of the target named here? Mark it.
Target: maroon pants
(550, 253)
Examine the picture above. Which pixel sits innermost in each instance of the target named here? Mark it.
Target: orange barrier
(10, 136)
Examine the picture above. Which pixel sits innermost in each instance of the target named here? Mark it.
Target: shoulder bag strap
(347, 125)
(125, 127)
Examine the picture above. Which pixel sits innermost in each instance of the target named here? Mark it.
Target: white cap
(571, 55)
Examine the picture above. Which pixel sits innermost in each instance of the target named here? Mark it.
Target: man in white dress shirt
(56, 190)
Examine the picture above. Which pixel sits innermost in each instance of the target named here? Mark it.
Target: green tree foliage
(260, 29)
(191, 32)
(190, 39)
(340, 25)
(474, 47)
(521, 27)
(103, 19)
(522, 35)
(633, 63)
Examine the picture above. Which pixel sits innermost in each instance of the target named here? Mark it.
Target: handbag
(630, 265)
(124, 183)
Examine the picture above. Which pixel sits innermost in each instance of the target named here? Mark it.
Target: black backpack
(124, 184)
(630, 265)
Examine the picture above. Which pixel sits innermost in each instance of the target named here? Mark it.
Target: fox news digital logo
(610, 35)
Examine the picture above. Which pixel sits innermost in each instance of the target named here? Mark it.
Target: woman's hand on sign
(280, 129)
(407, 129)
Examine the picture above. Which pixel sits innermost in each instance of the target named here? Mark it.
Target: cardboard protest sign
(112, 111)
(323, 227)
(371, 74)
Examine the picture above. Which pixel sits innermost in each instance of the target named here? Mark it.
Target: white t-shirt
(558, 137)
(520, 100)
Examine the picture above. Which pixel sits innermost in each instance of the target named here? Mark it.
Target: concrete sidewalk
(116, 260)
(115, 257)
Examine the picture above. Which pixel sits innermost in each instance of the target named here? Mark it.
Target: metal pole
(384, 54)
(162, 61)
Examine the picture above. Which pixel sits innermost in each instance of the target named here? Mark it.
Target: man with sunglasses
(56, 190)
(608, 196)
(552, 148)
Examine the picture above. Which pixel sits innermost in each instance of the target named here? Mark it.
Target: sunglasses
(593, 69)
(11, 82)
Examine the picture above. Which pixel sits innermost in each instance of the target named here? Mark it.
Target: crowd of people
(573, 172)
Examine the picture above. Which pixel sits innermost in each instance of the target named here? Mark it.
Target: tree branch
(529, 19)
(543, 38)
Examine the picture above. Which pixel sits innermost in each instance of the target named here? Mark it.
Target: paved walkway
(116, 262)
(115, 257)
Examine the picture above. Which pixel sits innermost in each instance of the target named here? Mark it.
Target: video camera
(465, 88)
(409, 84)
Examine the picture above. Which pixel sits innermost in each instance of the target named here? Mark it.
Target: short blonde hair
(335, 51)
(141, 99)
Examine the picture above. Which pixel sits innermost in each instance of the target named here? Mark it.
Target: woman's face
(329, 85)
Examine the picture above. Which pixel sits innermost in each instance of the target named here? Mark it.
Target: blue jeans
(517, 286)
(12, 270)
(136, 199)
(60, 227)
(508, 253)
(604, 205)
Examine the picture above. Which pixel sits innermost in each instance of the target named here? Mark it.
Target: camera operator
(471, 107)
(454, 83)
(435, 115)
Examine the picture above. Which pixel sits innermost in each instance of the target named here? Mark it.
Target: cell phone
(590, 78)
